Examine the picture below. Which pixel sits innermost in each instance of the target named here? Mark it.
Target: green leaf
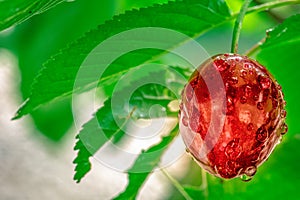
(103, 127)
(83, 165)
(94, 134)
(148, 163)
(280, 55)
(17, 11)
(57, 78)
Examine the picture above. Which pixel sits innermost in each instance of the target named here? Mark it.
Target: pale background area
(34, 168)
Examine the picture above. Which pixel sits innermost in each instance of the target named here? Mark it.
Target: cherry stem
(238, 26)
(204, 184)
(176, 185)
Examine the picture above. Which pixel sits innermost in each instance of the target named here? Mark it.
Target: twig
(204, 185)
(176, 185)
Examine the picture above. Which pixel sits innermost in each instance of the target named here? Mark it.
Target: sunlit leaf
(280, 55)
(57, 78)
(103, 127)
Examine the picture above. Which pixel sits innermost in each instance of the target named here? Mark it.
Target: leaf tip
(21, 111)
(16, 116)
(82, 163)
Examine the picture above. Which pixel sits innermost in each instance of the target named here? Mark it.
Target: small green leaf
(280, 54)
(17, 11)
(103, 127)
(83, 165)
(148, 163)
(94, 134)
(57, 78)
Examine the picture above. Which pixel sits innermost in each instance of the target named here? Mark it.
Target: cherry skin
(231, 115)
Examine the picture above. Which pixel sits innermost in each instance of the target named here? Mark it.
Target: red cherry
(232, 115)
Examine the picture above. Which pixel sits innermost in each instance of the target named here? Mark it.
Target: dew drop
(284, 129)
(221, 64)
(247, 65)
(284, 103)
(243, 100)
(260, 106)
(269, 31)
(231, 91)
(230, 164)
(230, 106)
(255, 97)
(194, 124)
(271, 129)
(279, 87)
(184, 121)
(233, 80)
(251, 171)
(180, 107)
(250, 127)
(194, 82)
(233, 149)
(243, 74)
(274, 103)
(283, 113)
(265, 82)
(248, 90)
(246, 178)
(274, 92)
(261, 134)
(189, 92)
(265, 94)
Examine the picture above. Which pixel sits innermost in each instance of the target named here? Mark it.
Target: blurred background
(36, 152)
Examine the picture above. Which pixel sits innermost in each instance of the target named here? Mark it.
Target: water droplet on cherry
(233, 149)
(185, 121)
(250, 127)
(251, 171)
(283, 114)
(233, 80)
(246, 178)
(265, 82)
(243, 74)
(261, 134)
(284, 129)
(221, 64)
(243, 99)
(260, 106)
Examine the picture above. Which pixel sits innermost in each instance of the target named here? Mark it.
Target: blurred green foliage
(43, 35)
